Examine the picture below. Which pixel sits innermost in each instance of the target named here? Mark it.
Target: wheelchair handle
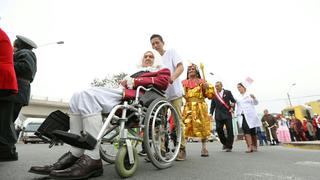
(137, 92)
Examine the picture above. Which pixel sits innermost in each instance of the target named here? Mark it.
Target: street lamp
(58, 42)
(289, 94)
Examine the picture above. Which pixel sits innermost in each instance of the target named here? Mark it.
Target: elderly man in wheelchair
(137, 113)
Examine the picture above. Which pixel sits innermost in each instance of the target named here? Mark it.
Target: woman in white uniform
(247, 117)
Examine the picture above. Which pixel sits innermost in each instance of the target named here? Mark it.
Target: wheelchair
(149, 119)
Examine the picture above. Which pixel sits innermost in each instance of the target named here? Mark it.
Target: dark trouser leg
(16, 110)
(318, 134)
(264, 138)
(8, 136)
(291, 134)
(230, 138)
(274, 135)
(219, 129)
(142, 147)
(7, 130)
(308, 136)
(260, 138)
(298, 136)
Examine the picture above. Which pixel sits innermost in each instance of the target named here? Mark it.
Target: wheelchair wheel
(162, 133)
(109, 146)
(122, 163)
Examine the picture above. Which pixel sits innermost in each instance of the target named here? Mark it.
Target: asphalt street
(271, 162)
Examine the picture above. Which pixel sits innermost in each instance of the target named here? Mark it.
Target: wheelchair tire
(122, 164)
(160, 160)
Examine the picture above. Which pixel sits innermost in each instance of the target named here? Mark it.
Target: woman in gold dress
(195, 112)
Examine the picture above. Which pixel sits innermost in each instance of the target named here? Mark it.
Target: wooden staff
(202, 70)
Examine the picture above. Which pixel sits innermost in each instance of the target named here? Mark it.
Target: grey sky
(274, 42)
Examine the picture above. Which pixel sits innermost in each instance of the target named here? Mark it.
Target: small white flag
(249, 80)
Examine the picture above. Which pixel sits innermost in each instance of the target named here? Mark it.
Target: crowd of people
(162, 69)
(278, 129)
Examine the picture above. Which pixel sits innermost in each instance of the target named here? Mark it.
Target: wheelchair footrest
(85, 141)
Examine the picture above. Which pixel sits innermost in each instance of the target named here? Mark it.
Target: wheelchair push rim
(161, 147)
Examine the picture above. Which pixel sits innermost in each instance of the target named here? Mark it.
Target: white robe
(245, 105)
(102, 99)
(95, 100)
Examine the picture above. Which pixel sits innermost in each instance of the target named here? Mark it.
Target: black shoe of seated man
(8, 152)
(228, 149)
(224, 147)
(65, 161)
(142, 153)
(84, 168)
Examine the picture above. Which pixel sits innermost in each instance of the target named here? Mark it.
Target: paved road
(271, 162)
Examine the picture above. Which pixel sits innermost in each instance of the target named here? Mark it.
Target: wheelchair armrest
(149, 96)
(160, 92)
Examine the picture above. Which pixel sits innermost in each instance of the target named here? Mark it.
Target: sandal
(204, 153)
(249, 151)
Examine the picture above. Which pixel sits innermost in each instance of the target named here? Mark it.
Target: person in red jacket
(86, 108)
(8, 81)
(8, 86)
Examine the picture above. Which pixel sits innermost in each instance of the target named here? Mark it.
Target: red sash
(222, 101)
(318, 121)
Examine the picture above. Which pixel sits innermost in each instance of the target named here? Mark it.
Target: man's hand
(205, 85)
(211, 117)
(123, 83)
(252, 96)
(171, 80)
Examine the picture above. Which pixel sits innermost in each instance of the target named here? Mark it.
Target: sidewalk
(314, 145)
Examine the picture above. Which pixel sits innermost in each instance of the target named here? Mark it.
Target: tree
(110, 81)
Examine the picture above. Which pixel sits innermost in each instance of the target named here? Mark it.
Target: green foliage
(110, 81)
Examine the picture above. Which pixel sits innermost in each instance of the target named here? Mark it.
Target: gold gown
(195, 112)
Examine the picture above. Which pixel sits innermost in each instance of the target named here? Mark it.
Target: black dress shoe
(84, 168)
(228, 150)
(63, 162)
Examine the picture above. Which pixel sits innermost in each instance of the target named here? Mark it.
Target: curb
(311, 146)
